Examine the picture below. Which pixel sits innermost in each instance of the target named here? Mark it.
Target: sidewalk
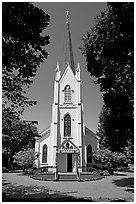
(116, 187)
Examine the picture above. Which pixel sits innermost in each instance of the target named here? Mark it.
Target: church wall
(91, 139)
(74, 123)
(44, 136)
(47, 142)
(69, 79)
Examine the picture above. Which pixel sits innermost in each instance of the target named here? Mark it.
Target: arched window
(44, 154)
(67, 126)
(89, 154)
(67, 94)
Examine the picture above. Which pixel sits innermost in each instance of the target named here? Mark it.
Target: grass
(14, 193)
(22, 193)
(35, 193)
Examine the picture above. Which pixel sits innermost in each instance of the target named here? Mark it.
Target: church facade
(67, 144)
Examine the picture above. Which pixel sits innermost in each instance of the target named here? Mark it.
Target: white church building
(67, 144)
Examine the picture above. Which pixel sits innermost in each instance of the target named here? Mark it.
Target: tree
(23, 43)
(23, 49)
(25, 158)
(17, 135)
(109, 159)
(109, 51)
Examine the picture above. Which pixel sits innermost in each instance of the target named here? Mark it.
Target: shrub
(113, 160)
(25, 158)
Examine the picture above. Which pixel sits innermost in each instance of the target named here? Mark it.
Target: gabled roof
(45, 131)
(68, 145)
(63, 73)
(92, 133)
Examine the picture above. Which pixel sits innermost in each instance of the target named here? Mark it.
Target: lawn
(29, 190)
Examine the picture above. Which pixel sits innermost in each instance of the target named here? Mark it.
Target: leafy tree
(109, 51)
(23, 43)
(23, 49)
(25, 158)
(17, 135)
(110, 159)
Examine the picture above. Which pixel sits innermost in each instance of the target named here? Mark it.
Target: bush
(28, 172)
(112, 160)
(4, 170)
(25, 158)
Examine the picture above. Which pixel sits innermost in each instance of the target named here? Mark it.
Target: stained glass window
(67, 94)
(67, 126)
(89, 154)
(44, 154)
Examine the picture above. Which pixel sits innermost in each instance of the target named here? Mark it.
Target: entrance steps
(68, 176)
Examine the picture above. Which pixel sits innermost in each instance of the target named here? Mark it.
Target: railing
(56, 174)
(78, 174)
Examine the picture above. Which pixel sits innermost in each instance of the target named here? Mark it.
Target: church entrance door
(69, 162)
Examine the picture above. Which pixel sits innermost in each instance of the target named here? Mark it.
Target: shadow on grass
(12, 193)
(126, 182)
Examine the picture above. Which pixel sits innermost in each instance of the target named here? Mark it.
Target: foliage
(25, 158)
(111, 159)
(109, 51)
(23, 43)
(17, 135)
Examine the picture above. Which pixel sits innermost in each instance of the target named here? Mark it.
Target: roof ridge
(44, 130)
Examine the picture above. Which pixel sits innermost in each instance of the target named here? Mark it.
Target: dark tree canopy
(23, 49)
(17, 134)
(109, 51)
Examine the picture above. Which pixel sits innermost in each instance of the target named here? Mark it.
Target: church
(67, 144)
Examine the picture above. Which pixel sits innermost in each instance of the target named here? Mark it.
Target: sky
(81, 19)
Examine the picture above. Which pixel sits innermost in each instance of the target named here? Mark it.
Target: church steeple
(68, 52)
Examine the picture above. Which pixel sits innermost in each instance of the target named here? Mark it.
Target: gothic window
(67, 126)
(89, 154)
(44, 154)
(67, 94)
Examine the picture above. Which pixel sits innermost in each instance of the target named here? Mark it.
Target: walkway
(116, 187)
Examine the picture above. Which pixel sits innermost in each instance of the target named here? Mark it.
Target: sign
(68, 151)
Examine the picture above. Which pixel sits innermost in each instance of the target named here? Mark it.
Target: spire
(68, 52)
(78, 72)
(57, 72)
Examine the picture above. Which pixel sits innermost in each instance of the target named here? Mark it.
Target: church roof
(68, 51)
(45, 130)
(92, 133)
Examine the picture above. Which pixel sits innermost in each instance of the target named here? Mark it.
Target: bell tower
(67, 128)
(66, 145)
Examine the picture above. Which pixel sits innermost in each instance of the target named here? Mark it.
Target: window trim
(67, 94)
(43, 155)
(89, 147)
(67, 126)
